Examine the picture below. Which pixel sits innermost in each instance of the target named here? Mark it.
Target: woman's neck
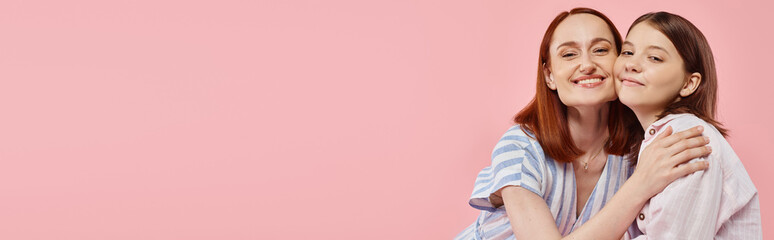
(588, 125)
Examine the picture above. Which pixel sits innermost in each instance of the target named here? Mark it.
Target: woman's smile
(589, 81)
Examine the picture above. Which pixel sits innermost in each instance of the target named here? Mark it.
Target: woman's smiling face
(582, 55)
(649, 73)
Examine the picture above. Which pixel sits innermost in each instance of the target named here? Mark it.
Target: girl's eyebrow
(649, 47)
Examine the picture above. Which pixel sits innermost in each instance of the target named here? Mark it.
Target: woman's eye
(657, 59)
(601, 50)
(627, 52)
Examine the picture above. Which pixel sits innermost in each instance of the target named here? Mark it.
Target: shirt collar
(655, 128)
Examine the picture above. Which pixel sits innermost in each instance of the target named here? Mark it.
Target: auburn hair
(546, 116)
(697, 58)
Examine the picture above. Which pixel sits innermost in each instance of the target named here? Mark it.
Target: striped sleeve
(514, 163)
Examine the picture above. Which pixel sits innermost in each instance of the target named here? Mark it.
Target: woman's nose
(587, 66)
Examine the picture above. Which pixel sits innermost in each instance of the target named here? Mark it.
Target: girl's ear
(691, 85)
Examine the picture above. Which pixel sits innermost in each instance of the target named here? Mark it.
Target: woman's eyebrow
(569, 43)
(575, 44)
(596, 40)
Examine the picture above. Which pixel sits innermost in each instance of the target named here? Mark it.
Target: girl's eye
(627, 52)
(657, 59)
(568, 55)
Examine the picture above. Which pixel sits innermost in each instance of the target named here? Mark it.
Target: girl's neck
(647, 117)
(648, 114)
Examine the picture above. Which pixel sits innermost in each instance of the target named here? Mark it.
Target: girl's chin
(636, 106)
(628, 98)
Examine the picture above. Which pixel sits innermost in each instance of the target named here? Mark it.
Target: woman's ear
(691, 85)
(549, 77)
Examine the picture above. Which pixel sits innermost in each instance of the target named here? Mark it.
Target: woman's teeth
(587, 81)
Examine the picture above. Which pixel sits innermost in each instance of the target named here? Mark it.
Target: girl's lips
(631, 82)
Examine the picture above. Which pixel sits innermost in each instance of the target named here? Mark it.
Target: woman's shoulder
(518, 139)
(518, 134)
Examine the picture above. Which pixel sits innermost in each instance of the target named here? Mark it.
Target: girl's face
(650, 73)
(582, 55)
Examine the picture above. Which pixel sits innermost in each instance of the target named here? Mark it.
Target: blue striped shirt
(518, 160)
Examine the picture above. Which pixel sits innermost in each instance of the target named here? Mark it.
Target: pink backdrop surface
(297, 119)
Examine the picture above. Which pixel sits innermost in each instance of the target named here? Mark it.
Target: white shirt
(718, 203)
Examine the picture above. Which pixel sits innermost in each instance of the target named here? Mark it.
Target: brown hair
(546, 116)
(697, 57)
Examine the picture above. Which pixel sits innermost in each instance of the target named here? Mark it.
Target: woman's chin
(589, 101)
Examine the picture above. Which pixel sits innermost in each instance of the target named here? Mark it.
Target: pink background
(296, 119)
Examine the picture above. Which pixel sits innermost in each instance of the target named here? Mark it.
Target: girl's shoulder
(685, 121)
